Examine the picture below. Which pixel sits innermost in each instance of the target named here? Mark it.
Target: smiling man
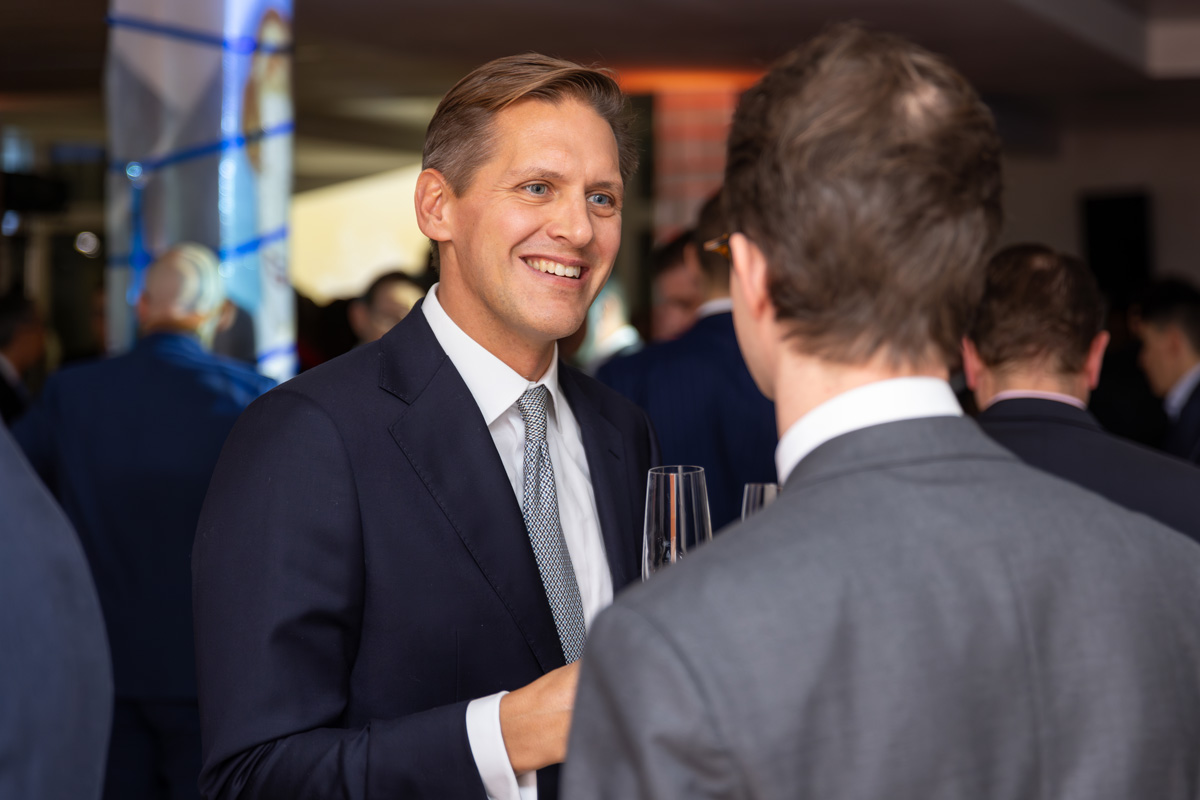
(395, 540)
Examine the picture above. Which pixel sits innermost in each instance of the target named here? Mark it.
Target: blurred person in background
(22, 348)
(1168, 323)
(56, 690)
(698, 393)
(386, 301)
(1032, 355)
(676, 290)
(127, 446)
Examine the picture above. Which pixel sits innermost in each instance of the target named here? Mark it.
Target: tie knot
(533, 406)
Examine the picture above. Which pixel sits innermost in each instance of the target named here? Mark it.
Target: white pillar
(200, 144)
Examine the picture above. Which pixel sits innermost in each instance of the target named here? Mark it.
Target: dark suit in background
(14, 399)
(1183, 433)
(1068, 442)
(127, 446)
(363, 572)
(705, 409)
(55, 676)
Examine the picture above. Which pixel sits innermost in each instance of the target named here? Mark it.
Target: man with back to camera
(699, 395)
(127, 446)
(919, 614)
(1032, 356)
(1168, 323)
(394, 539)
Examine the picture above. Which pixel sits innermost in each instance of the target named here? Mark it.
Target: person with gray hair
(127, 446)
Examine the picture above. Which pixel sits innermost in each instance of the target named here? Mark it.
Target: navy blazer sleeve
(279, 580)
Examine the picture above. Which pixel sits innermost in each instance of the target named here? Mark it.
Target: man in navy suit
(401, 548)
(698, 393)
(57, 688)
(1169, 327)
(1032, 357)
(127, 446)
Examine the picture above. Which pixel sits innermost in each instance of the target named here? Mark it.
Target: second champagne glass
(677, 518)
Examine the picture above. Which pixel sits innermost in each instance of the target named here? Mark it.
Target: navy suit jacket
(1068, 442)
(363, 571)
(127, 445)
(705, 408)
(1183, 435)
(56, 696)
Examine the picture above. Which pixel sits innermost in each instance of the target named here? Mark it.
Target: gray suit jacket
(919, 616)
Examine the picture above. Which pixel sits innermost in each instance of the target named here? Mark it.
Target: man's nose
(572, 222)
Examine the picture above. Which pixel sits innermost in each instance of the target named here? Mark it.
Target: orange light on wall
(655, 81)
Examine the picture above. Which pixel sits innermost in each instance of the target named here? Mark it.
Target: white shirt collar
(874, 404)
(1177, 398)
(722, 305)
(1032, 394)
(495, 386)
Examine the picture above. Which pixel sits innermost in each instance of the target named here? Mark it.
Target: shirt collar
(722, 305)
(1031, 394)
(1177, 398)
(494, 385)
(873, 404)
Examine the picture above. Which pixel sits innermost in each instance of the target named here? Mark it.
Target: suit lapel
(443, 435)
(605, 451)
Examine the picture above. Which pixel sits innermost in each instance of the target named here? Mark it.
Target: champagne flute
(758, 496)
(677, 519)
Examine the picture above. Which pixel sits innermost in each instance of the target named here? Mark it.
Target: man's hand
(535, 719)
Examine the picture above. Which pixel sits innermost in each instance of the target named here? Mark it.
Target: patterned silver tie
(540, 509)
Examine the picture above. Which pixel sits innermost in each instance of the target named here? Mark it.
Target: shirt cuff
(491, 757)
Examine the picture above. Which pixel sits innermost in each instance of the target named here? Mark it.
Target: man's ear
(1095, 359)
(432, 200)
(972, 363)
(750, 272)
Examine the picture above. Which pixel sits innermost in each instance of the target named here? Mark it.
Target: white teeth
(555, 268)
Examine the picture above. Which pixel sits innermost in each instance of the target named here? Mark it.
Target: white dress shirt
(1178, 396)
(873, 404)
(496, 387)
(722, 305)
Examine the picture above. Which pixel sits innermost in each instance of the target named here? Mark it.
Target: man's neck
(803, 382)
(991, 384)
(528, 359)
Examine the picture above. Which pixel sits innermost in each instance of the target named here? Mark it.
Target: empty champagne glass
(758, 496)
(677, 518)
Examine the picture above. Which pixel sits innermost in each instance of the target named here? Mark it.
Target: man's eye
(539, 189)
(601, 199)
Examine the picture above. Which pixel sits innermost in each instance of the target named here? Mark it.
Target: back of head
(183, 291)
(1040, 310)
(867, 170)
(1172, 302)
(711, 224)
(459, 138)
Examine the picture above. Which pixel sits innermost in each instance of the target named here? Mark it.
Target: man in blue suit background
(698, 393)
(127, 445)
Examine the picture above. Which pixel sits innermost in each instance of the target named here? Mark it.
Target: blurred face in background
(1163, 356)
(678, 293)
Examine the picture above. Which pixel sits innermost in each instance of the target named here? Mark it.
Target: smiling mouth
(554, 268)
